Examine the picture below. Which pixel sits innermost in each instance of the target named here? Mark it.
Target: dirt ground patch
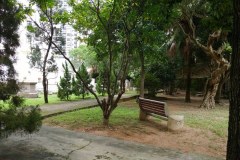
(155, 132)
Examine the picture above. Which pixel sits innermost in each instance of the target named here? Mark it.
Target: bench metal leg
(143, 115)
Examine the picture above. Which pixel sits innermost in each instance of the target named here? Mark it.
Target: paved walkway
(60, 144)
(53, 109)
(52, 143)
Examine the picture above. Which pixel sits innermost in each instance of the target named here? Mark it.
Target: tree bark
(233, 145)
(172, 88)
(189, 78)
(45, 85)
(212, 86)
(142, 115)
(208, 100)
(224, 79)
(45, 92)
(142, 75)
(106, 108)
(219, 92)
(188, 87)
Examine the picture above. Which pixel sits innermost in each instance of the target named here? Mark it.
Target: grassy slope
(93, 117)
(53, 99)
(215, 120)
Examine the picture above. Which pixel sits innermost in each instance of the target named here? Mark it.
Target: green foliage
(151, 84)
(197, 85)
(75, 87)
(84, 54)
(15, 118)
(16, 101)
(31, 29)
(64, 87)
(12, 117)
(44, 28)
(165, 71)
(107, 35)
(11, 15)
(78, 87)
(101, 84)
(35, 57)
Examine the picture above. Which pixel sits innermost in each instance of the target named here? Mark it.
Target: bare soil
(155, 132)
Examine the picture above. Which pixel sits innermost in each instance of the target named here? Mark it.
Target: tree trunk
(83, 94)
(106, 112)
(105, 121)
(205, 87)
(209, 101)
(233, 145)
(45, 90)
(212, 86)
(219, 92)
(188, 89)
(189, 79)
(45, 85)
(171, 88)
(142, 115)
(142, 76)
(224, 79)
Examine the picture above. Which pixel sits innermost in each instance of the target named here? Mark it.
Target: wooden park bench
(160, 110)
(153, 108)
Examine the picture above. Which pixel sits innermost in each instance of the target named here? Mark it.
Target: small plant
(101, 85)
(78, 87)
(64, 87)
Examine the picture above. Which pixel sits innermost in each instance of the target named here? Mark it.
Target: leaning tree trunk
(219, 92)
(212, 87)
(224, 78)
(208, 100)
(221, 64)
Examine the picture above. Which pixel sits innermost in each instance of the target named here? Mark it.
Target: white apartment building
(27, 74)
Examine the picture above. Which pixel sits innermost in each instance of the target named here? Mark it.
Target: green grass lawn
(52, 99)
(93, 117)
(215, 120)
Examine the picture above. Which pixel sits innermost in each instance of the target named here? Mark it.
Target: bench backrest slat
(152, 106)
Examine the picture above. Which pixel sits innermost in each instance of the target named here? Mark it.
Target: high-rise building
(62, 32)
(70, 35)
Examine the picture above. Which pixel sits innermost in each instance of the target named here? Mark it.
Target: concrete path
(61, 144)
(53, 109)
